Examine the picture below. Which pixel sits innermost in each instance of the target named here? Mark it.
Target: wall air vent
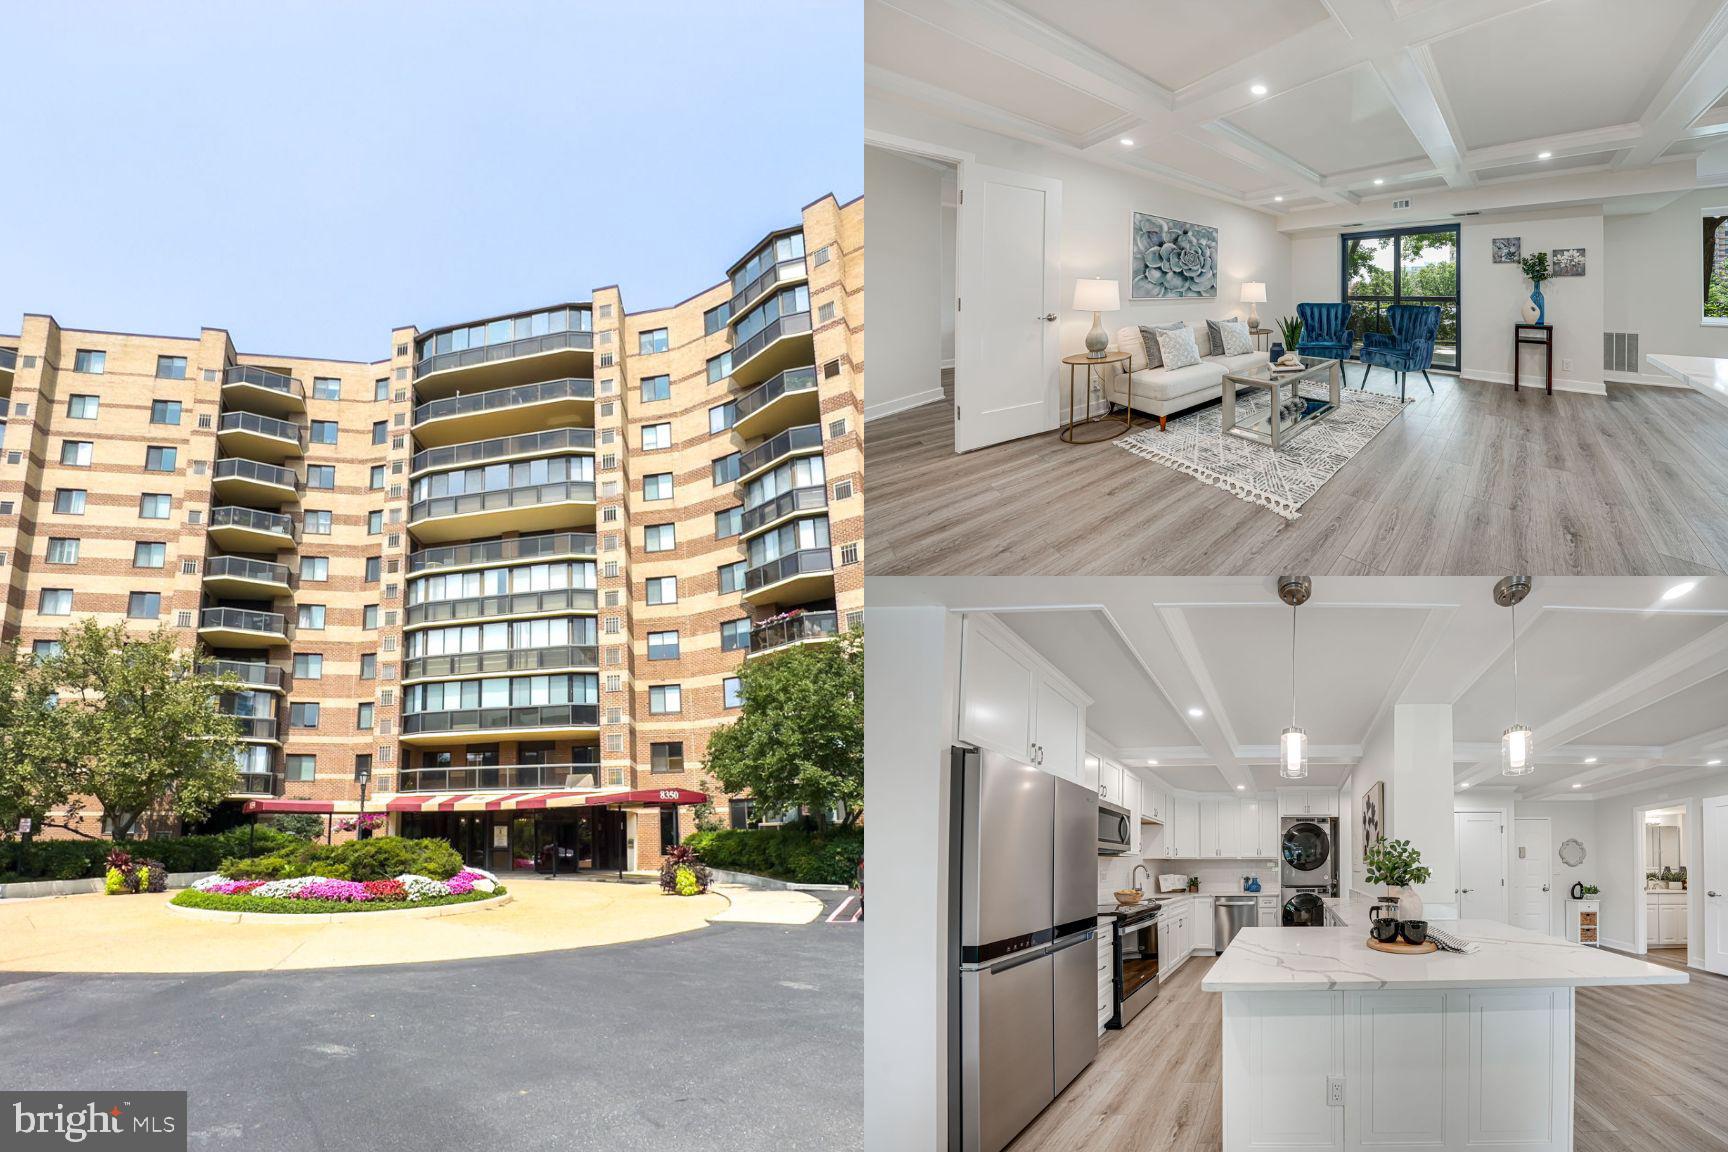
(1401, 203)
(1620, 352)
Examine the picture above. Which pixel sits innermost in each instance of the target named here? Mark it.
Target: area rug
(1284, 480)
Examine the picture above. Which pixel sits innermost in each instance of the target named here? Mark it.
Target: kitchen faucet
(1138, 868)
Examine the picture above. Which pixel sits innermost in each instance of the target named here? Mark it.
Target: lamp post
(362, 777)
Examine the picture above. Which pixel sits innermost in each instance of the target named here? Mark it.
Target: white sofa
(1163, 392)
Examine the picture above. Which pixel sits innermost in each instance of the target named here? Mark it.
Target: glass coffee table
(1284, 418)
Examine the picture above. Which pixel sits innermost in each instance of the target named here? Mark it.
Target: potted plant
(1536, 270)
(1590, 890)
(1193, 883)
(1290, 328)
(1399, 867)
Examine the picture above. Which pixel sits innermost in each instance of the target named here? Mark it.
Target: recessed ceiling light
(1589, 759)
(1127, 142)
(1711, 763)
(1543, 155)
(1466, 784)
(1241, 787)
(1152, 763)
(1279, 199)
(1196, 712)
(1378, 180)
(1577, 785)
(1679, 590)
(1257, 89)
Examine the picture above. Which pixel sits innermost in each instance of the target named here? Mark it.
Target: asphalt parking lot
(732, 1037)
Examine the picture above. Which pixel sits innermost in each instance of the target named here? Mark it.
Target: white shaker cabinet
(1110, 784)
(1307, 802)
(1220, 827)
(1184, 836)
(1131, 799)
(1013, 702)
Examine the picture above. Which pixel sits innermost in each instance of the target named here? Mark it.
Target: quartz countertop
(1339, 959)
(1707, 374)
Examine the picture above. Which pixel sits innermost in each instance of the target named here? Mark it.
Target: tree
(35, 771)
(800, 740)
(142, 724)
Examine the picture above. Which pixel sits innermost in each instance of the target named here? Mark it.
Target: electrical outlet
(1335, 1091)
(1565, 365)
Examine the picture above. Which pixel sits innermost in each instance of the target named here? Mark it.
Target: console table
(1541, 335)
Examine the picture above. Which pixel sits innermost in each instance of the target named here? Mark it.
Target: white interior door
(1716, 884)
(1481, 865)
(1005, 330)
(1532, 873)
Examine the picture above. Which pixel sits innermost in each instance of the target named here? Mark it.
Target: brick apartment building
(510, 572)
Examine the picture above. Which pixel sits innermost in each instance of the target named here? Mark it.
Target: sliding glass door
(1403, 266)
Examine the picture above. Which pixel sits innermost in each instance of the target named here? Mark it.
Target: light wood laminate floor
(1652, 1074)
(1475, 479)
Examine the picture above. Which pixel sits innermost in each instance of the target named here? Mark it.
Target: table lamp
(1096, 296)
(1253, 292)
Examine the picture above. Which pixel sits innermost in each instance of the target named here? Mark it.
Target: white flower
(421, 887)
(472, 871)
(281, 888)
(209, 882)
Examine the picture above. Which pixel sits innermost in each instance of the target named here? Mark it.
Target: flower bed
(324, 894)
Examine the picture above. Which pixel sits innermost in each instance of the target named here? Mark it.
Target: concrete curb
(34, 889)
(751, 880)
(409, 913)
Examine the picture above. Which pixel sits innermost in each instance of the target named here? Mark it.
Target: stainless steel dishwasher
(1231, 914)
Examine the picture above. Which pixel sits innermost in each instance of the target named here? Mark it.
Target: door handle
(1050, 316)
(1712, 893)
(1544, 887)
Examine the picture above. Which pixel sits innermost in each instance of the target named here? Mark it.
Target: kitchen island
(1331, 1045)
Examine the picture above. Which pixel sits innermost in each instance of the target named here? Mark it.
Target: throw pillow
(1177, 347)
(1236, 339)
(1149, 336)
(1214, 339)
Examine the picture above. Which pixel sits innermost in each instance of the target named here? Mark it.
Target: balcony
(791, 503)
(792, 271)
(255, 784)
(547, 603)
(563, 658)
(260, 437)
(506, 362)
(787, 399)
(243, 579)
(532, 508)
(250, 388)
(805, 440)
(249, 530)
(8, 367)
(247, 673)
(241, 628)
(249, 482)
(792, 579)
(784, 343)
(257, 729)
(504, 412)
(503, 448)
(495, 552)
(583, 773)
(804, 628)
(536, 721)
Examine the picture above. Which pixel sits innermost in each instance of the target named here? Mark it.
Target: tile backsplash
(1215, 875)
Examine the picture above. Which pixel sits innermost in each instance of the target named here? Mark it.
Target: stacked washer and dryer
(1308, 868)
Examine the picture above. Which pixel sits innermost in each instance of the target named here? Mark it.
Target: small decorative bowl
(1126, 896)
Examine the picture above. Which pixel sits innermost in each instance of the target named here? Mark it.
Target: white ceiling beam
(1213, 728)
(1609, 139)
(1233, 142)
(1692, 87)
(1668, 780)
(1413, 81)
(975, 112)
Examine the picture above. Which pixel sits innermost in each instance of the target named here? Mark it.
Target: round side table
(1111, 356)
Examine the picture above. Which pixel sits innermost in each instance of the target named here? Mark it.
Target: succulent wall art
(1172, 260)
(1507, 249)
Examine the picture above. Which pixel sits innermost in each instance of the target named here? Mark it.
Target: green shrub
(85, 859)
(115, 883)
(783, 853)
(380, 858)
(192, 898)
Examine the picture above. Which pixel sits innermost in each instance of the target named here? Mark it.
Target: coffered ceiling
(1291, 105)
(1625, 681)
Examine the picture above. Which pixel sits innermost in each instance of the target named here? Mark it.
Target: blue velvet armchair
(1326, 331)
(1409, 347)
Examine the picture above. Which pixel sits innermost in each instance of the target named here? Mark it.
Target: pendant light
(1293, 743)
(1517, 743)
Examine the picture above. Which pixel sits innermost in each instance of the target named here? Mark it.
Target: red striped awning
(531, 801)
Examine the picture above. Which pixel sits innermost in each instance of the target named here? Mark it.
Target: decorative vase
(1541, 304)
(1409, 903)
(1529, 312)
(1277, 351)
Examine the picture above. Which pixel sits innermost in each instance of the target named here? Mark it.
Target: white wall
(1566, 821)
(905, 280)
(1615, 868)
(1097, 207)
(1656, 289)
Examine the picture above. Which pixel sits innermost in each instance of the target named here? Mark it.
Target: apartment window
(304, 715)
(89, 360)
(62, 550)
(381, 389)
(159, 458)
(376, 479)
(657, 487)
(44, 649)
(667, 756)
(653, 340)
(308, 666)
(825, 313)
(731, 577)
(380, 431)
(312, 617)
(83, 407)
(149, 554)
(324, 431)
(842, 490)
(728, 523)
(69, 501)
(326, 388)
(659, 538)
(374, 522)
(719, 367)
(849, 553)
(155, 506)
(316, 568)
(735, 635)
(301, 768)
(662, 645)
(836, 428)
(662, 589)
(321, 476)
(733, 688)
(604, 311)
(363, 718)
(721, 417)
(55, 602)
(170, 367)
(726, 469)
(822, 256)
(368, 665)
(369, 616)
(144, 605)
(656, 388)
(715, 318)
(164, 411)
(373, 564)
(317, 522)
(665, 699)
(76, 453)
(656, 436)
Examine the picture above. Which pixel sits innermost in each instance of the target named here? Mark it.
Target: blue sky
(309, 175)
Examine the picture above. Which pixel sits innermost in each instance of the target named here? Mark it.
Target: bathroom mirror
(1662, 846)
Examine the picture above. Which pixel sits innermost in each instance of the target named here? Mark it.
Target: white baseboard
(1561, 384)
(947, 364)
(1617, 945)
(1653, 380)
(902, 404)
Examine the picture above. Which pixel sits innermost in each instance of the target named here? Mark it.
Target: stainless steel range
(1135, 959)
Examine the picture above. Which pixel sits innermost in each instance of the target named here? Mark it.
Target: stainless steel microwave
(1115, 835)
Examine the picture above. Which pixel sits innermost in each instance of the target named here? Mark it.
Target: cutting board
(1402, 949)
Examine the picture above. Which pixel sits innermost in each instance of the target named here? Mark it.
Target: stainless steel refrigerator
(1023, 906)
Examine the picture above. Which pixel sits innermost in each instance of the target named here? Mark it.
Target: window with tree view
(1716, 265)
(1404, 266)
